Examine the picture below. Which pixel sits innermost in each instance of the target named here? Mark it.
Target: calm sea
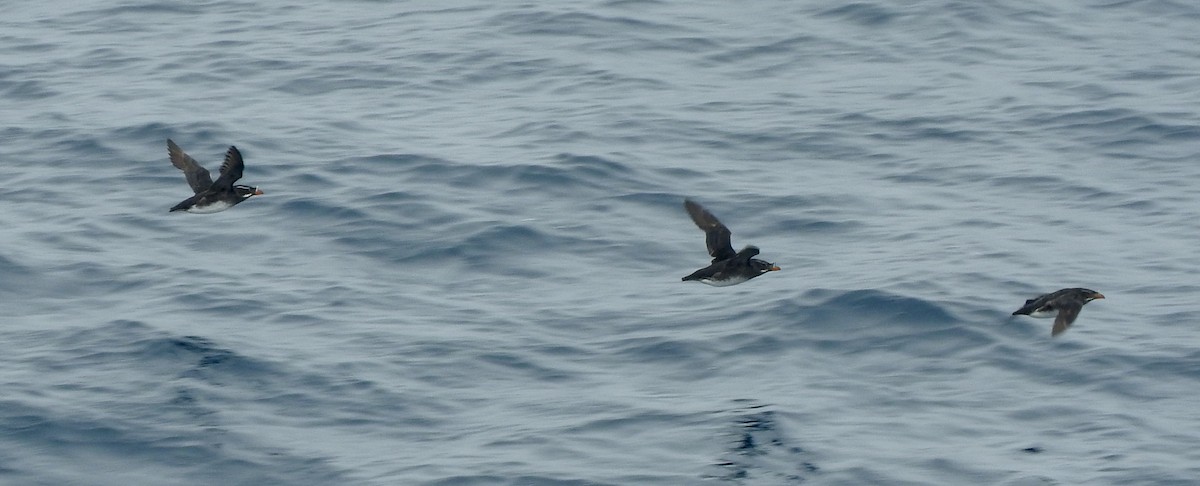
(465, 269)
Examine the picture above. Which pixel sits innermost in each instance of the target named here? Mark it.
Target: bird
(1064, 305)
(728, 267)
(211, 197)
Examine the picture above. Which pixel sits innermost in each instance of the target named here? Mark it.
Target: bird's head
(246, 191)
(1091, 295)
(763, 266)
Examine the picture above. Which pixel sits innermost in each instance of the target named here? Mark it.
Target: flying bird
(1064, 305)
(211, 197)
(728, 267)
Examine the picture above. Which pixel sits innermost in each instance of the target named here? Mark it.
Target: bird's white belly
(215, 207)
(1044, 313)
(724, 283)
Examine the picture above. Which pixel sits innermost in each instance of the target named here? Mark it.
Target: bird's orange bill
(258, 192)
(775, 268)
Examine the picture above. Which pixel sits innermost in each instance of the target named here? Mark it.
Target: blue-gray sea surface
(466, 266)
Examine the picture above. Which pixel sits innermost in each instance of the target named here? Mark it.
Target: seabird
(1064, 305)
(211, 197)
(728, 267)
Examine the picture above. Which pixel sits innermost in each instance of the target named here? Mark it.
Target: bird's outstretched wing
(197, 176)
(717, 236)
(231, 169)
(1067, 312)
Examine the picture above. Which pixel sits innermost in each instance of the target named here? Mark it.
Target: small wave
(138, 342)
(10, 269)
(875, 306)
(864, 14)
(761, 450)
(308, 208)
(25, 90)
(575, 24)
(865, 320)
(662, 350)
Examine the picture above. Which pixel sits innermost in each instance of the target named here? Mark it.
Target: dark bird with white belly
(210, 196)
(728, 267)
(1064, 305)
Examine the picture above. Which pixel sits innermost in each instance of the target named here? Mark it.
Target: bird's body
(728, 267)
(212, 207)
(1064, 305)
(211, 196)
(717, 280)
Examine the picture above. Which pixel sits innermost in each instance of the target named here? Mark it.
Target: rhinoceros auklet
(728, 267)
(211, 197)
(1064, 305)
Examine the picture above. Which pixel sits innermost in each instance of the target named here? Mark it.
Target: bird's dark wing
(747, 253)
(703, 273)
(1067, 312)
(186, 203)
(716, 234)
(1032, 305)
(197, 176)
(231, 169)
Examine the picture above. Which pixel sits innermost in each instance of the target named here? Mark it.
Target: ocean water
(465, 269)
